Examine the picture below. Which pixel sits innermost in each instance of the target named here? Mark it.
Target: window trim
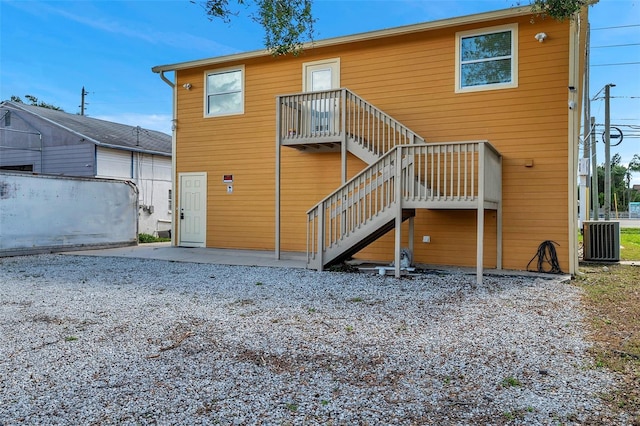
(514, 58)
(206, 90)
(332, 63)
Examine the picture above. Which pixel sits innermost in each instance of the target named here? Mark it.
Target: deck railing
(446, 175)
(337, 116)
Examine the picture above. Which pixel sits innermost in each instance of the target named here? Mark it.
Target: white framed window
(321, 75)
(487, 59)
(224, 93)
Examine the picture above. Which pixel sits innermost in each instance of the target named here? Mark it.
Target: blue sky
(51, 49)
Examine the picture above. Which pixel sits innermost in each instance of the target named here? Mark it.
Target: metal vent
(601, 241)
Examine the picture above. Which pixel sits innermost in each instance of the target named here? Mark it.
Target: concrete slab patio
(165, 251)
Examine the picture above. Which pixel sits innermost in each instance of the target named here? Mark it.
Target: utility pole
(607, 151)
(82, 104)
(583, 169)
(595, 194)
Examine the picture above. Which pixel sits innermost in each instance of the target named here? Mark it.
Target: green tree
(288, 24)
(33, 101)
(633, 167)
(558, 9)
(621, 191)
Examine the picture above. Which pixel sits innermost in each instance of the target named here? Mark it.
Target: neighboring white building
(46, 141)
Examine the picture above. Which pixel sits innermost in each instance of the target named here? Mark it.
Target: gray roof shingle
(104, 132)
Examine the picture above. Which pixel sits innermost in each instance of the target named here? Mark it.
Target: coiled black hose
(546, 254)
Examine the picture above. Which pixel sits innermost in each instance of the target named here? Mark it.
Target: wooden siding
(69, 160)
(410, 77)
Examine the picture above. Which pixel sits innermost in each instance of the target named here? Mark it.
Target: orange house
(455, 138)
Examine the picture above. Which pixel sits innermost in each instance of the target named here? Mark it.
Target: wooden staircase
(404, 174)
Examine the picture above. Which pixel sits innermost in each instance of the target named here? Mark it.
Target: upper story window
(487, 59)
(225, 92)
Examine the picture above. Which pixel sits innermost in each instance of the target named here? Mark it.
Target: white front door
(193, 209)
(321, 76)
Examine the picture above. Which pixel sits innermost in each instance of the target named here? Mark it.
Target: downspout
(573, 139)
(174, 213)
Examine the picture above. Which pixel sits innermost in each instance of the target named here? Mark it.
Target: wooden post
(278, 160)
(320, 249)
(398, 199)
(480, 204)
(343, 131)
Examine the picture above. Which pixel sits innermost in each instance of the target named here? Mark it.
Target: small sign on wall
(227, 178)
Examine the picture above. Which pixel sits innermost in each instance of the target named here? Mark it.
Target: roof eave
(371, 35)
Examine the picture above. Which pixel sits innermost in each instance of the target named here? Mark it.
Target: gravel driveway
(99, 340)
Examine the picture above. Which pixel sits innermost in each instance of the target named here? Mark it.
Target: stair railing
(338, 115)
(441, 175)
(350, 207)
(374, 129)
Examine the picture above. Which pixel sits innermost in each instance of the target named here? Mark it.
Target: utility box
(601, 240)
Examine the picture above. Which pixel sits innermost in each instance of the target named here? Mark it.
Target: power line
(611, 65)
(615, 45)
(613, 28)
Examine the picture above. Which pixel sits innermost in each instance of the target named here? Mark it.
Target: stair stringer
(360, 238)
(359, 150)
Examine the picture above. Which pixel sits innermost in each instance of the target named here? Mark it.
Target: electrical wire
(546, 254)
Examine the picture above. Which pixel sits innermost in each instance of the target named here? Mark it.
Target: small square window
(487, 59)
(224, 92)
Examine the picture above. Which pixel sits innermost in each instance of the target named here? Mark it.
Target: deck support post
(343, 131)
(480, 243)
(480, 216)
(499, 224)
(320, 247)
(397, 180)
(278, 160)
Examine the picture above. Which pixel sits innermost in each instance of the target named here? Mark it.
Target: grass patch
(612, 299)
(508, 382)
(630, 244)
(148, 238)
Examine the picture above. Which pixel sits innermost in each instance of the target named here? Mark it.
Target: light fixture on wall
(541, 37)
(187, 86)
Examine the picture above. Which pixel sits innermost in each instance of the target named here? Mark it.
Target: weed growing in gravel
(510, 381)
(355, 299)
(259, 283)
(349, 329)
(70, 339)
(509, 415)
(292, 406)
